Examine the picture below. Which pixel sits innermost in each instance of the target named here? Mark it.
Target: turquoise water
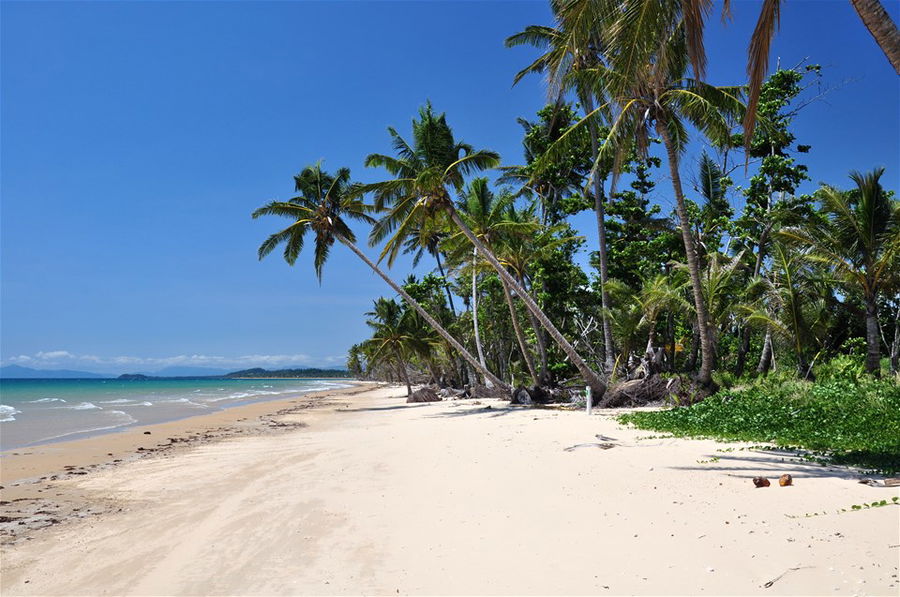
(35, 411)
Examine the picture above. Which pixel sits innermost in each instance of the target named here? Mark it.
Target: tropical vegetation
(718, 285)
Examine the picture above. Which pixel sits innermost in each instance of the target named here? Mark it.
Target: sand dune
(374, 496)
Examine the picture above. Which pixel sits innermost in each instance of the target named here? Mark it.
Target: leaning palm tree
(520, 254)
(323, 203)
(492, 218)
(424, 174)
(858, 236)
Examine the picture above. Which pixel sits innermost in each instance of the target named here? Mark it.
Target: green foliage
(851, 422)
(846, 367)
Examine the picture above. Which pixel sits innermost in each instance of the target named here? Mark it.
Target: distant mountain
(19, 372)
(258, 372)
(175, 371)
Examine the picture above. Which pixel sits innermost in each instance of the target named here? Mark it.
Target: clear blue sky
(138, 137)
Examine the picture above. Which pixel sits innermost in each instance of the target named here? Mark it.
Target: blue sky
(138, 137)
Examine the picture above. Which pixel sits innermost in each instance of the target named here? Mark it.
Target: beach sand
(364, 494)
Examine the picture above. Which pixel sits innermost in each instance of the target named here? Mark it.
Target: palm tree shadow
(489, 411)
(773, 463)
(382, 408)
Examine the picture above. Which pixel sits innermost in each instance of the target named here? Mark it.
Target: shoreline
(27, 473)
(357, 492)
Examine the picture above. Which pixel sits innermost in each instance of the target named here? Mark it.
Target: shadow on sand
(772, 462)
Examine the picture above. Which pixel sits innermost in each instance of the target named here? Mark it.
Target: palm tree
(660, 293)
(570, 49)
(427, 238)
(393, 340)
(493, 219)
(423, 174)
(858, 236)
(793, 306)
(323, 203)
(646, 80)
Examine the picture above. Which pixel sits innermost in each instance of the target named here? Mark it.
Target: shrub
(852, 422)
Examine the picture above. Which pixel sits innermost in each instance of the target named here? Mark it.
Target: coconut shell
(761, 482)
(785, 480)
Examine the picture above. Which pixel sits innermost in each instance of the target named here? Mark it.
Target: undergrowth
(852, 421)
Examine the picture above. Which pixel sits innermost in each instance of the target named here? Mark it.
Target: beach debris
(452, 393)
(425, 394)
(603, 446)
(761, 482)
(146, 433)
(777, 578)
(892, 482)
(652, 390)
(521, 396)
(785, 480)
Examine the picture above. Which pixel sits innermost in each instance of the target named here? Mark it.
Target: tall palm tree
(323, 204)
(424, 174)
(858, 236)
(492, 219)
(569, 49)
(653, 94)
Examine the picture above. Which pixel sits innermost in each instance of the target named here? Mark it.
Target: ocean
(37, 411)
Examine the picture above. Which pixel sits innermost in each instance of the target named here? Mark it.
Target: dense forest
(736, 284)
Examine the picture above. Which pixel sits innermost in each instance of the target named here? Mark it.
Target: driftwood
(653, 391)
(425, 394)
(538, 395)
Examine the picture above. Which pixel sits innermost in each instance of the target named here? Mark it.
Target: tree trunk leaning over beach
(520, 337)
(425, 315)
(590, 377)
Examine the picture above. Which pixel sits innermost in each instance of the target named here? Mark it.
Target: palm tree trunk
(744, 345)
(523, 347)
(402, 367)
(600, 209)
(895, 345)
(690, 363)
(475, 308)
(589, 376)
(437, 257)
(704, 377)
(879, 23)
(541, 342)
(873, 337)
(765, 358)
(425, 315)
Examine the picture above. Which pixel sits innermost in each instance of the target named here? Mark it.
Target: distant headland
(255, 373)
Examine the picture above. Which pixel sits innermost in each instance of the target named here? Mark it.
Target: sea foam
(7, 413)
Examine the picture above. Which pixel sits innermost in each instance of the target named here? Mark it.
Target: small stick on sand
(777, 578)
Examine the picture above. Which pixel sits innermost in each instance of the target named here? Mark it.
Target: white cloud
(127, 363)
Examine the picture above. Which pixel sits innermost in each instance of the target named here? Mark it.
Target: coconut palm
(656, 96)
(569, 49)
(493, 219)
(427, 238)
(858, 236)
(322, 207)
(424, 175)
(393, 339)
(793, 306)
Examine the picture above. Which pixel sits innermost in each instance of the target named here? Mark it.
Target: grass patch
(849, 421)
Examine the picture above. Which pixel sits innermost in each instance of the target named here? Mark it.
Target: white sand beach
(374, 496)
